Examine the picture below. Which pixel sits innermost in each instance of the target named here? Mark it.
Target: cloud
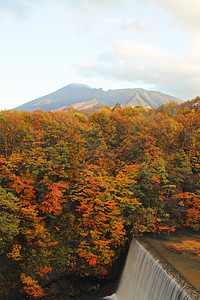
(128, 25)
(98, 5)
(144, 64)
(184, 11)
(84, 9)
(19, 8)
(82, 12)
(22, 7)
(12, 7)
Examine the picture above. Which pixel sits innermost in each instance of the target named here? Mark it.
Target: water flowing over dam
(144, 279)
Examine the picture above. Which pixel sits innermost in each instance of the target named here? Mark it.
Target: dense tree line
(74, 187)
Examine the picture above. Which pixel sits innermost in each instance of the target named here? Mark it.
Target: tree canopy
(75, 188)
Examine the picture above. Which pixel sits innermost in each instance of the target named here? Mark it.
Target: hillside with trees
(74, 188)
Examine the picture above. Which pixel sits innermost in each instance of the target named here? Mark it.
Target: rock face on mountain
(82, 97)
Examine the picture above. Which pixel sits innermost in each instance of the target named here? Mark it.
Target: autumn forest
(75, 187)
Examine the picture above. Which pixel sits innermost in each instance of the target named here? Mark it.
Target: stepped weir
(144, 279)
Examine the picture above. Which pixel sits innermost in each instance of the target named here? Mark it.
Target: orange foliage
(31, 286)
(79, 186)
(156, 179)
(93, 261)
(43, 271)
(15, 253)
(186, 246)
(53, 199)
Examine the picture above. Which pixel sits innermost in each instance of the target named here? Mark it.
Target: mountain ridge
(81, 96)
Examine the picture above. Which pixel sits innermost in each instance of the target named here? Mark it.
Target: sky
(48, 44)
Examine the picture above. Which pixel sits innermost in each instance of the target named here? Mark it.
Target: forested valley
(75, 187)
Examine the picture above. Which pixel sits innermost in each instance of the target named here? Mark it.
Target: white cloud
(141, 60)
(83, 13)
(185, 11)
(13, 7)
(19, 8)
(148, 66)
(90, 8)
(128, 25)
(99, 5)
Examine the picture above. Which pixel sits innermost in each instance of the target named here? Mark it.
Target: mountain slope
(82, 97)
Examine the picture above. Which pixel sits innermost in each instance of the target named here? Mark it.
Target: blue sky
(48, 44)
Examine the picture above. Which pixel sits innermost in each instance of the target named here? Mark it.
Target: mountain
(81, 96)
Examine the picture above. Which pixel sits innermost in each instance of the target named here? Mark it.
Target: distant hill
(82, 97)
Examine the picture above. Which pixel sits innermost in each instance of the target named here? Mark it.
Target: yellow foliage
(31, 286)
(15, 253)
